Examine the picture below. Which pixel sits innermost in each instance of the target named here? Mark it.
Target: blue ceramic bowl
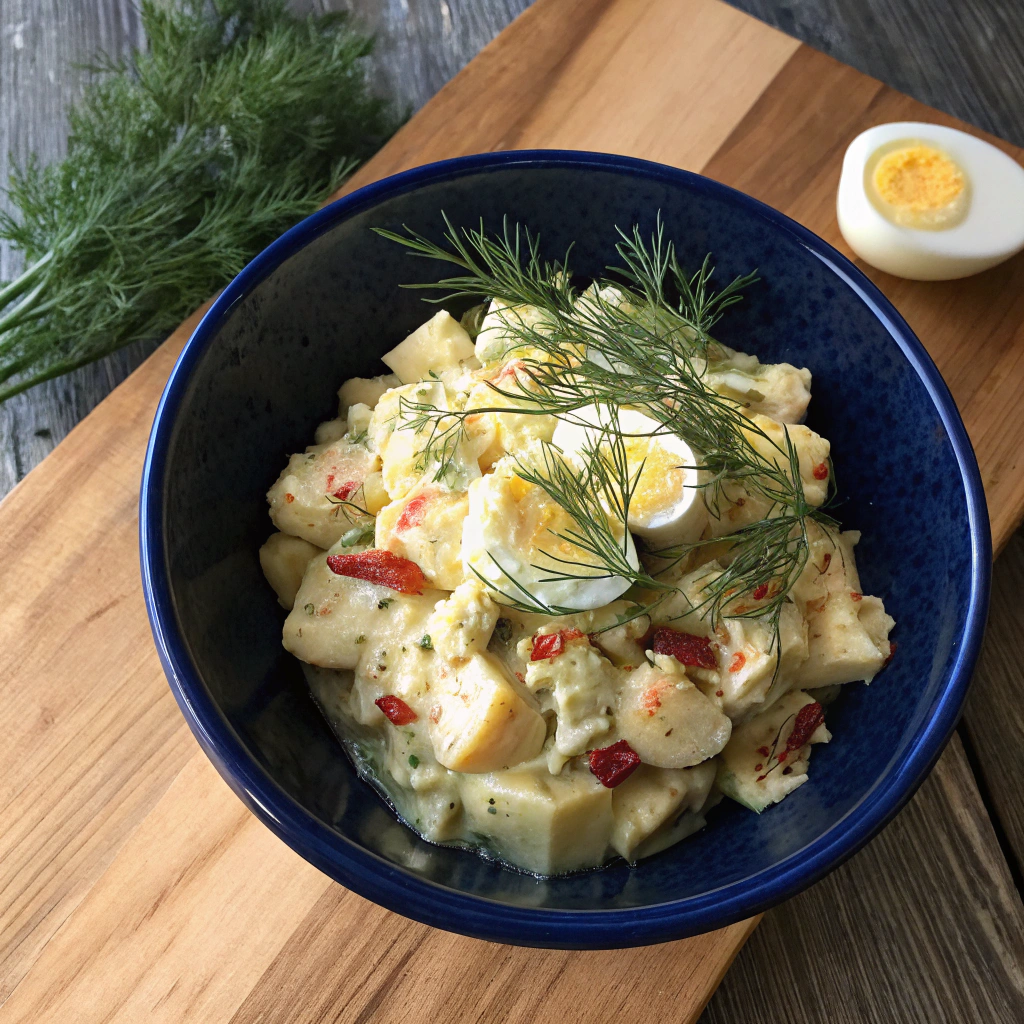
(321, 305)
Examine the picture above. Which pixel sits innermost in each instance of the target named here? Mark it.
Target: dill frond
(649, 349)
(183, 162)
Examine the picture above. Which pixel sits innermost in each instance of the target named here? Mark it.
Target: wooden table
(927, 923)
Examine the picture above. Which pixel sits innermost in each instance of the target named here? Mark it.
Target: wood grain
(923, 927)
(789, 153)
(966, 59)
(994, 716)
(112, 825)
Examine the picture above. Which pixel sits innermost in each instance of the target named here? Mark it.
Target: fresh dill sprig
(183, 162)
(639, 339)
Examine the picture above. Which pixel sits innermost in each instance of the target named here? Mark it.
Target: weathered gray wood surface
(925, 924)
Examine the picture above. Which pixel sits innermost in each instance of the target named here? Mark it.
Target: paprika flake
(413, 513)
(346, 490)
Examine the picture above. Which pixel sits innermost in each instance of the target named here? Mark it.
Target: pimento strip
(550, 645)
(396, 710)
(381, 567)
(613, 765)
(684, 647)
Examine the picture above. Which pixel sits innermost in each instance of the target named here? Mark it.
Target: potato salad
(565, 577)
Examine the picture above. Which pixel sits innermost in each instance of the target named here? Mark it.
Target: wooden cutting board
(133, 884)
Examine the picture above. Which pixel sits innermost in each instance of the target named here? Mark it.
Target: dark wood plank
(994, 717)
(964, 58)
(421, 44)
(924, 926)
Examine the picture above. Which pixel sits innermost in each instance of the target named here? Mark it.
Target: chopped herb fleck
(492, 810)
(414, 761)
(308, 609)
(425, 642)
(357, 535)
(361, 639)
(385, 602)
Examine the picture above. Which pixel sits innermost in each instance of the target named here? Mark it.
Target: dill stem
(23, 312)
(14, 288)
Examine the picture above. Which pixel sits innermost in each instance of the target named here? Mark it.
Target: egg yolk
(661, 482)
(917, 186)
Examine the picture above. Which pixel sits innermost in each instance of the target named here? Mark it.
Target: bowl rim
(432, 903)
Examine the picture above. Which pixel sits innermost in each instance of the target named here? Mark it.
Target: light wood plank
(183, 922)
(565, 74)
(788, 152)
(92, 736)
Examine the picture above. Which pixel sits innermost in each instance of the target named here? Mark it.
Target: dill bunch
(649, 350)
(184, 161)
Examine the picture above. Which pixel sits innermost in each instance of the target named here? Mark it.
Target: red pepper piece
(346, 490)
(760, 592)
(384, 568)
(892, 652)
(739, 659)
(396, 710)
(613, 765)
(808, 718)
(820, 471)
(684, 647)
(413, 513)
(550, 645)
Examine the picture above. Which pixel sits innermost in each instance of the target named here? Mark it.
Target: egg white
(507, 546)
(991, 231)
(681, 521)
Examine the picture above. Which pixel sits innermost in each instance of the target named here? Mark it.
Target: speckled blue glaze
(322, 304)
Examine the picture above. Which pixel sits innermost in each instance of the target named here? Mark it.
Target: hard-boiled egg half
(667, 505)
(515, 538)
(930, 203)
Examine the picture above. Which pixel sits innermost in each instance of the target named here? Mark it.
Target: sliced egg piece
(667, 506)
(930, 203)
(511, 542)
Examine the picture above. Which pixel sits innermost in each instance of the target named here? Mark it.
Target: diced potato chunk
(439, 344)
(740, 505)
(503, 330)
(778, 390)
(283, 560)
(581, 684)
(401, 428)
(364, 391)
(650, 797)
(751, 771)
(667, 720)
(545, 823)
(426, 527)
(847, 631)
(305, 501)
(480, 723)
(461, 626)
(331, 614)
(748, 663)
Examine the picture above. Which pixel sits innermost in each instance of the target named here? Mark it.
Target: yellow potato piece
(479, 722)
